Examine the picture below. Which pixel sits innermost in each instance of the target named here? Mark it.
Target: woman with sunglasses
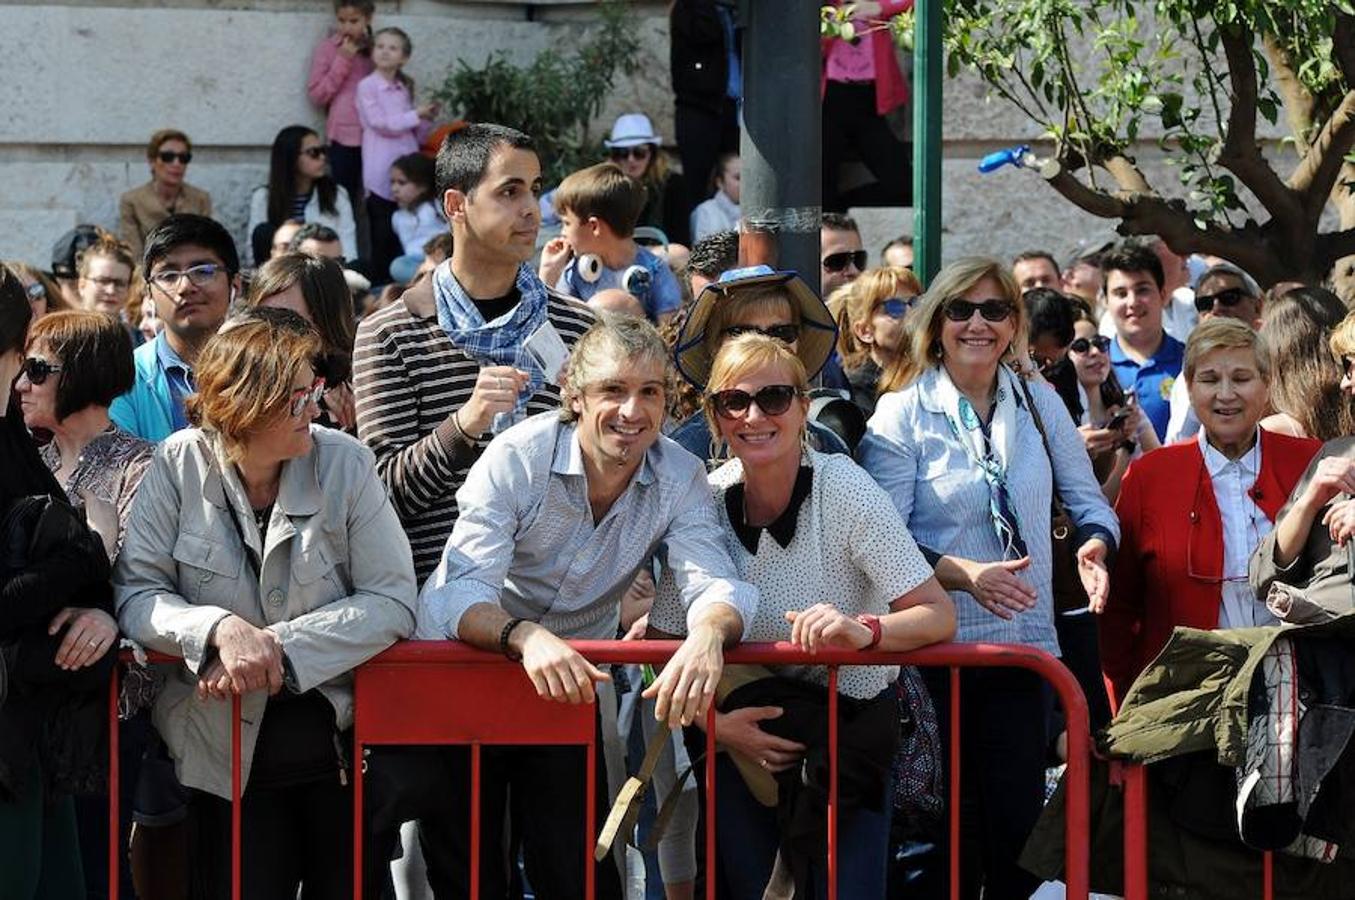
(961, 451)
(871, 332)
(139, 210)
(1192, 513)
(635, 147)
(300, 189)
(264, 552)
(835, 568)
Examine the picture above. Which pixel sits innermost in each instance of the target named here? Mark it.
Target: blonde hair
(952, 282)
(867, 293)
(1343, 337)
(740, 301)
(109, 247)
(1224, 334)
(750, 353)
(612, 338)
(245, 372)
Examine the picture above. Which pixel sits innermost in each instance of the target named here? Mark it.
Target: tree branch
(1127, 175)
(1317, 173)
(1098, 203)
(1240, 153)
(1298, 102)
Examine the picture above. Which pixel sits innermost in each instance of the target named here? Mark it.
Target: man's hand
(91, 634)
(557, 670)
(686, 686)
(496, 390)
(214, 683)
(252, 657)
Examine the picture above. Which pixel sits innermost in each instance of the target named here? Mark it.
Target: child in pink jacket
(341, 60)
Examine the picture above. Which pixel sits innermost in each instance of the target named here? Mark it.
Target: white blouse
(1244, 525)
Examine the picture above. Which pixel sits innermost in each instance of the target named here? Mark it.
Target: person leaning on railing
(959, 449)
(834, 568)
(263, 550)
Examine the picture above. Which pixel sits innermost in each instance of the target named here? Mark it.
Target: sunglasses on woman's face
(169, 156)
(620, 153)
(1084, 345)
(836, 262)
(1347, 364)
(897, 307)
(773, 400)
(315, 152)
(304, 397)
(1229, 297)
(786, 334)
(37, 370)
(991, 310)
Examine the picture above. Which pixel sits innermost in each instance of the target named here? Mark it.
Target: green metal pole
(927, 74)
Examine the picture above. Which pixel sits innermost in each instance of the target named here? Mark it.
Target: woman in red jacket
(1192, 513)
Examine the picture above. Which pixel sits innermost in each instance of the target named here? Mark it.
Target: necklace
(261, 517)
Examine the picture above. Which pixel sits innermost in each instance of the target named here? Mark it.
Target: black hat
(69, 247)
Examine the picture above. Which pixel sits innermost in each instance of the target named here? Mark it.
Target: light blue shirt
(525, 538)
(663, 296)
(943, 497)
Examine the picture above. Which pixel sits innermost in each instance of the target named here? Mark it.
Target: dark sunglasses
(1228, 297)
(786, 334)
(1084, 345)
(773, 400)
(37, 370)
(169, 156)
(836, 262)
(315, 152)
(991, 310)
(638, 152)
(897, 307)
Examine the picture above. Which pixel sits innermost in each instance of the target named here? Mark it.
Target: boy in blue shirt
(598, 209)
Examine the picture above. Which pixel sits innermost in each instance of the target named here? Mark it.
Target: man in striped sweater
(458, 358)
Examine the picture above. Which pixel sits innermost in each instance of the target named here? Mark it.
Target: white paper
(546, 345)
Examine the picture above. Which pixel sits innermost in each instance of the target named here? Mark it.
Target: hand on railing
(824, 625)
(251, 658)
(557, 670)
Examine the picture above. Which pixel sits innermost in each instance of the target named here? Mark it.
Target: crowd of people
(401, 415)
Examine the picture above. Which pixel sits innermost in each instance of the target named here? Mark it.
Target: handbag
(1067, 583)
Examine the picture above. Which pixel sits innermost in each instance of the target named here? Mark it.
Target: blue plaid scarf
(497, 343)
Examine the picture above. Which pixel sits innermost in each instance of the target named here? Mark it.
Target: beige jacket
(336, 583)
(141, 209)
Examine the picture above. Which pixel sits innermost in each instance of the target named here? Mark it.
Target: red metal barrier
(427, 693)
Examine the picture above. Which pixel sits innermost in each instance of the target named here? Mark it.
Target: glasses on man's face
(37, 369)
(1082, 346)
(200, 275)
(315, 152)
(897, 307)
(169, 156)
(620, 154)
(105, 283)
(304, 397)
(773, 400)
(991, 310)
(836, 262)
(1229, 297)
(786, 334)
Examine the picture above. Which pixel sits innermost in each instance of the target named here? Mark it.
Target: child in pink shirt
(391, 128)
(341, 60)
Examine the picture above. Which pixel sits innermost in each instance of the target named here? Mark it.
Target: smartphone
(1118, 420)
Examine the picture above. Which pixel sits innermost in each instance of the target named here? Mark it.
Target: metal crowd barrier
(446, 693)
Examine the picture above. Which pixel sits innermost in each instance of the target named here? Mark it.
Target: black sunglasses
(315, 152)
(169, 156)
(836, 262)
(786, 334)
(1227, 297)
(992, 310)
(37, 370)
(773, 400)
(640, 151)
(1083, 345)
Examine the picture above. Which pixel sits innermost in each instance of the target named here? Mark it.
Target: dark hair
(400, 75)
(714, 254)
(328, 301)
(605, 192)
(1030, 255)
(312, 231)
(1320, 304)
(718, 170)
(418, 169)
(1049, 312)
(1132, 256)
(465, 154)
(187, 228)
(903, 240)
(441, 244)
(366, 7)
(282, 176)
(95, 354)
(834, 221)
(15, 313)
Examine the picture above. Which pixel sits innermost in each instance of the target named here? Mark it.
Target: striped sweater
(409, 378)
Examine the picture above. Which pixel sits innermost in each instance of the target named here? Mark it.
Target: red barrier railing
(435, 693)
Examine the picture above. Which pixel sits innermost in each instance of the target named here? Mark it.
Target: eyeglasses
(199, 276)
(37, 369)
(786, 334)
(1228, 297)
(1084, 345)
(103, 282)
(773, 400)
(991, 310)
(35, 291)
(169, 156)
(638, 152)
(897, 307)
(304, 397)
(315, 152)
(836, 262)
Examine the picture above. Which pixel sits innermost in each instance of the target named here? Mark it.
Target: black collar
(783, 529)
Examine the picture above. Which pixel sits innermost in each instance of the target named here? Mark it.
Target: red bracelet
(877, 631)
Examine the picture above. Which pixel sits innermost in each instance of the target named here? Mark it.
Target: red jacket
(1167, 510)
(891, 89)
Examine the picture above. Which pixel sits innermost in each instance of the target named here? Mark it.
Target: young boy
(598, 208)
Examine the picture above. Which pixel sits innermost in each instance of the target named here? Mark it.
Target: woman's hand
(998, 588)
(1100, 440)
(214, 682)
(824, 626)
(341, 406)
(252, 657)
(1334, 475)
(738, 730)
(1340, 521)
(1091, 568)
(91, 634)
(555, 255)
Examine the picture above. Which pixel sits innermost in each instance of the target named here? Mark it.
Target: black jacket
(696, 56)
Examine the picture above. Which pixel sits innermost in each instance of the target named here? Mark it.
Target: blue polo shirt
(1152, 382)
(179, 376)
